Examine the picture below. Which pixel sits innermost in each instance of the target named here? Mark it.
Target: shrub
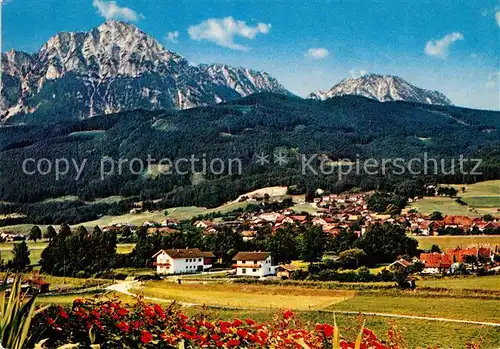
(109, 324)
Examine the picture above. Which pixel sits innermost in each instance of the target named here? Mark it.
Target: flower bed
(113, 325)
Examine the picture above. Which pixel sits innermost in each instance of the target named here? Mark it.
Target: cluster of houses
(11, 237)
(424, 225)
(334, 213)
(193, 260)
(449, 260)
(260, 264)
(446, 262)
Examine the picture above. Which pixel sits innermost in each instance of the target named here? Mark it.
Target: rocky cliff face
(112, 68)
(383, 88)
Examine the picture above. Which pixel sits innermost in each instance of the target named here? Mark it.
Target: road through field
(124, 287)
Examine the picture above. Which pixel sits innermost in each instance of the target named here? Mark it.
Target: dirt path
(125, 286)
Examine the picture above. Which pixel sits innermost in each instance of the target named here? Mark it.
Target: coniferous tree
(21, 257)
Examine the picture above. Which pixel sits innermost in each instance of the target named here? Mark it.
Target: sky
(449, 46)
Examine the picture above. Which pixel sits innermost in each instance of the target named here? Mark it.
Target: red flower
(215, 337)
(137, 324)
(250, 322)
(63, 314)
(146, 337)
(122, 311)
(149, 312)
(123, 326)
(262, 335)
(328, 330)
(159, 311)
(325, 328)
(237, 322)
(242, 333)
(233, 343)
(288, 314)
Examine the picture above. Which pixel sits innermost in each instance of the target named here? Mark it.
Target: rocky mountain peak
(384, 88)
(112, 68)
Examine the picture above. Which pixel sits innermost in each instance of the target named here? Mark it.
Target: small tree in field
(21, 257)
(50, 233)
(488, 218)
(437, 216)
(64, 230)
(435, 248)
(35, 233)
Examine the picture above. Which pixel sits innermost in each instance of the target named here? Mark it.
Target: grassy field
(157, 216)
(448, 206)
(307, 207)
(447, 307)
(245, 296)
(447, 241)
(464, 283)
(482, 198)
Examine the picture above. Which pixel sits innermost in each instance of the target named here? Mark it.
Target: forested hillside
(342, 127)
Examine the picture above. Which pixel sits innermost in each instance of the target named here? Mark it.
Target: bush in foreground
(109, 324)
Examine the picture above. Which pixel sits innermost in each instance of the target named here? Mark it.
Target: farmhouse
(400, 264)
(181, 261)
(462, 222)
(254, 264)
(284, 271)
(436, 263)
(458, 254)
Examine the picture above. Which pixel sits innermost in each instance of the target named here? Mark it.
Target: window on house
(243, 271)
(199, 259)
(243, 262)
(254, 270)
(255, 262)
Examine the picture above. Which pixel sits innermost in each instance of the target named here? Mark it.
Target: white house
(182, 261)
(254, 264)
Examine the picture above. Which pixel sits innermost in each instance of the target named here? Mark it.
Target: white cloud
(223, 31)
(111, 10)
(173, 37)
(497, 17)
(493, 80)
(317, 53)
(357, 73)
(439, 48)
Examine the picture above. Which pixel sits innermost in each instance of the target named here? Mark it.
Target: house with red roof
(436, 263)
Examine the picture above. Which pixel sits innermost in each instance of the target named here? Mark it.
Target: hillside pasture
(448, 241)
(481, 198)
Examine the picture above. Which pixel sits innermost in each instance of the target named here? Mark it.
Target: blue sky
(450, 46)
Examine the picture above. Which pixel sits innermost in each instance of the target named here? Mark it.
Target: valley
(180, 175)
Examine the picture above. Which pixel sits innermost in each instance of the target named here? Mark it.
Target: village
(335, 213)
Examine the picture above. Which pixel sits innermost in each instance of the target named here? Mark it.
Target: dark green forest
(349, 127)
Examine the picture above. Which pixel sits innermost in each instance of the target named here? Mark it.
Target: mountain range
(112, 68)
(117, 67)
